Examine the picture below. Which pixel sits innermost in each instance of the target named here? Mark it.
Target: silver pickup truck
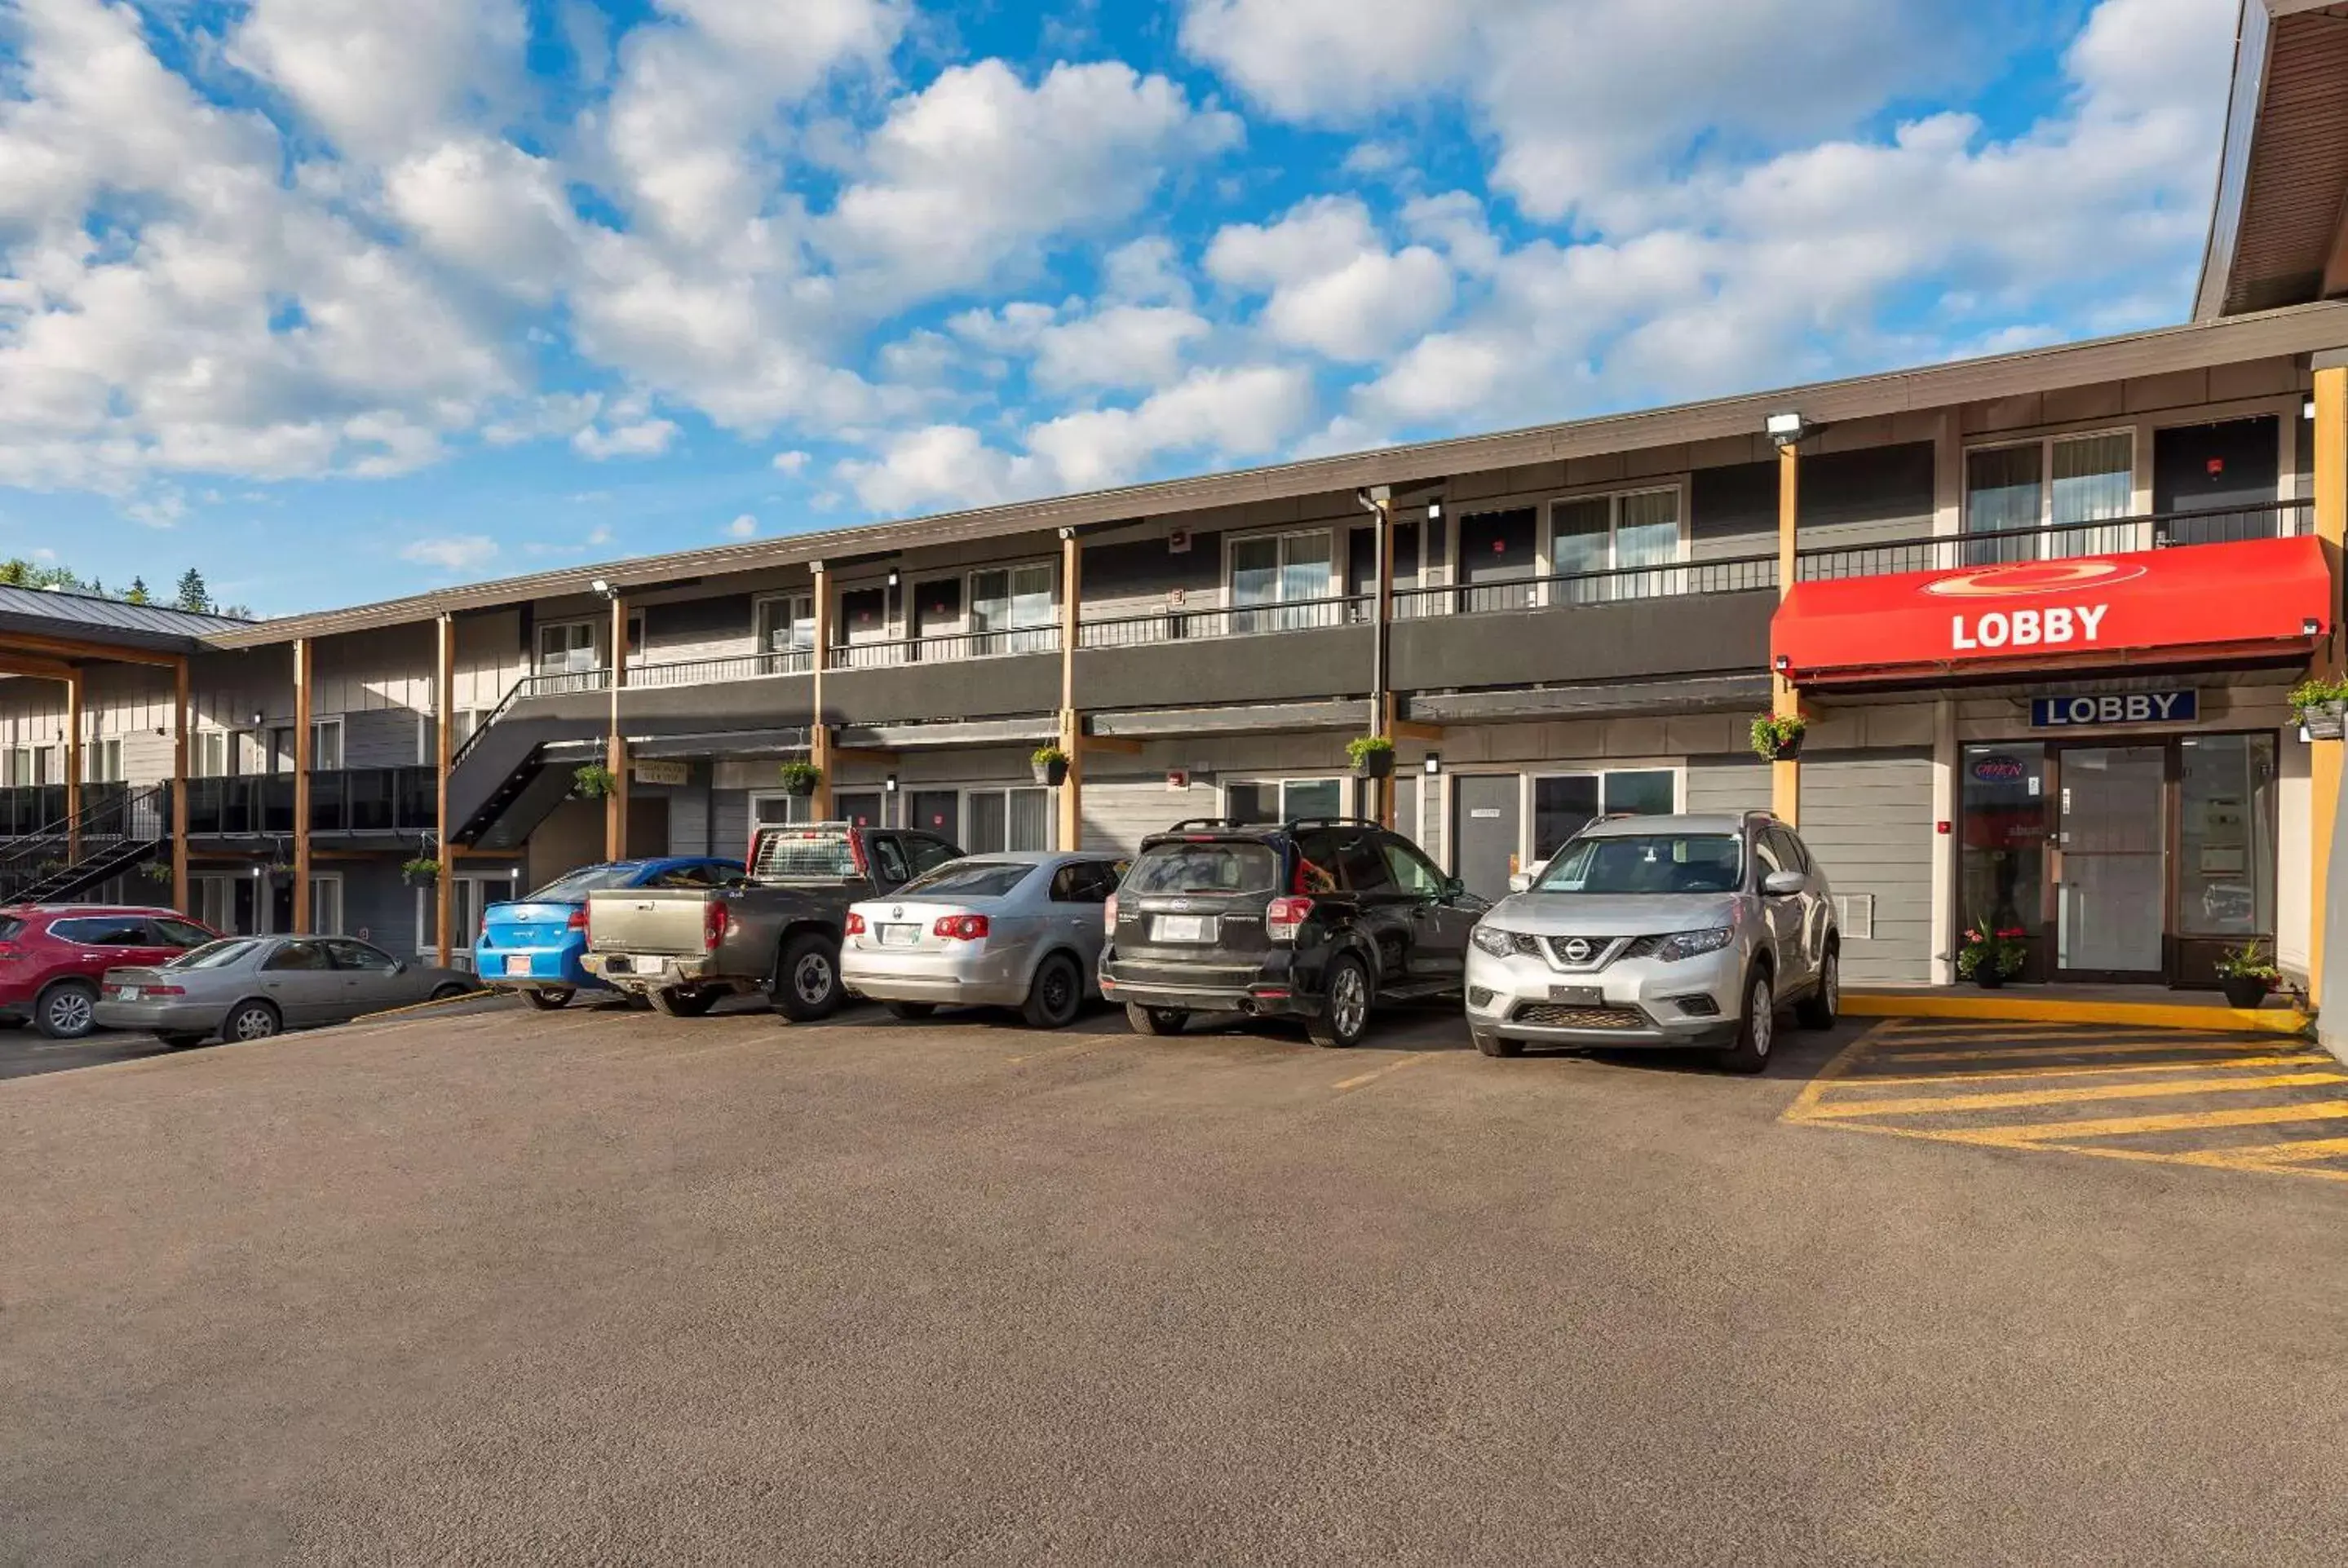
(775, 931)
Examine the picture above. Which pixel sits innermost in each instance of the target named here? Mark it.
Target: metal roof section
(2279, 228)
(2192, 346)
(82, 617)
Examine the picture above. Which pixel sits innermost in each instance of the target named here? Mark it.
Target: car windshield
(572, 886)
(1647, 863)
(1210, 868)
(971, 878)
(217, 955)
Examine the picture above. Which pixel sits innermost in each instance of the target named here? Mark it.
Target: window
(1012, 608)
(889, 862)
(22, 765)
(2059, 482)
(786, 633)
(1284, 800)
(780, 810)
(214, 751)
(1280, 582)
(326, 904)
(176, 933)
(1412, 872)
(1239, 867)
(326, 744)
(302, 956)
(1084, 881)
(568, 657)
(685, 876)
(101, 761)
(1771, 854)
(105, 931)
(972, 880)
(1629, 863)
(1009, 819)
(1617, 534)
(428, 735)
(350, 955)
(220, 955)
(1563, 807)
(928, 853)
(468, 896)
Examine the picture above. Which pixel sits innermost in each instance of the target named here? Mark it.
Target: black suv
(1319, 919)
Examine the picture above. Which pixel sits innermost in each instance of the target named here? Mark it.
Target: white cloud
(162, 511)
(643, 438)
(793, 462)
(940, 467)
(1121, 346)
(1334, 287)
(485, 204)
(744, 527)
(456, 553)
(376, 77)
(1246, 411)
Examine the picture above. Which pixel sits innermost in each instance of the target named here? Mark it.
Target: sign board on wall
(661, 773)
(2087, 710)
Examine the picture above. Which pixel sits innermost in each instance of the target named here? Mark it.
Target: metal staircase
(117, 829)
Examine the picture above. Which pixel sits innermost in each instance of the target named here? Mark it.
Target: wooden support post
(818, 730)
(1071, 723)
(615, 745)
(2331, 659)
(1786, 777)
(180, 700)
(72, 766)
(444, 712)
(303, 761)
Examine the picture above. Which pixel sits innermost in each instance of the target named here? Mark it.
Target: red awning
(2258, 597)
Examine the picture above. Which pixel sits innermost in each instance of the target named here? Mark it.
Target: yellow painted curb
(422, 1005)
(2050, 1009)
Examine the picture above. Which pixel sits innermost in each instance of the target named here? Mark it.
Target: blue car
(534, 945)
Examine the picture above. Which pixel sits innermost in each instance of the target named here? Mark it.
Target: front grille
(1553, 1015)
(1525, 942)
(1594, 958)
(1643, 947)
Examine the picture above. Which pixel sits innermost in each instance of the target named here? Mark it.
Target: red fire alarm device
(1942, 828)
(2217, 466)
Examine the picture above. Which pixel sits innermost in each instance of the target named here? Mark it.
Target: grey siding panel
(1118, 816)
(1727, 784)
(378, 904)
(733, 821)
(1867, 818)
(1137, 577)
(688, 821)
(381, 738)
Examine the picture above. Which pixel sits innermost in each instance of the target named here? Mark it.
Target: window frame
(967, 799)
(2046, 441)
(1334, 586)
(1545, 551)
(1529, 844)
(795, 659)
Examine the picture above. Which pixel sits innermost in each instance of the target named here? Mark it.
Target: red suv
(51, 956)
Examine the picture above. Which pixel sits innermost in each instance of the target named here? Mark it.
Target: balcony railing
(949, 648)
(342, 800)
(30, 808)
(1244, 621)
(2006, 546)
(1622, 585)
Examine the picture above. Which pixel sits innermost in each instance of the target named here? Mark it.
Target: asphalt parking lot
(480, 1283)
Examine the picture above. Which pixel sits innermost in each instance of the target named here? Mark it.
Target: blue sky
(343, 298)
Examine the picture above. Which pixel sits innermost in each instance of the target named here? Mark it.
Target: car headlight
(1690, 944)
(1493, 940)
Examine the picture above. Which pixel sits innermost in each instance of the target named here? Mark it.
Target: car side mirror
(1784, 884)
(1518, 881)
(399, 966)
(1453, 888)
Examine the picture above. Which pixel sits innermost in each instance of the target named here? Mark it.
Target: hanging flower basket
(799, 779)
(1778, 738)
(593, 781)
(2322, 708)
(420, 870)
(1050, 764)
(280, 875)
(1372, 756)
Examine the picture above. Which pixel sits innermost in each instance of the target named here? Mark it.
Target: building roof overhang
(2279, 226)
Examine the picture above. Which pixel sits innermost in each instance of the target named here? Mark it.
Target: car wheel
(550, 999)
(1756, 1029)
(252, 1020)
(910, 1011)
(807, 978)
(1344, 1015)
(180, 1038)
(1055, 994)
(685, 1002)
(66, 1010)
(449, 990)
(1155, 1021)
(1819, 1009)
(1494, 1045)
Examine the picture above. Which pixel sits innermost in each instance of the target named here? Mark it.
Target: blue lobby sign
(2086, 710)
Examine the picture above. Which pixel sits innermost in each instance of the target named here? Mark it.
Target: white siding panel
(1869, 821)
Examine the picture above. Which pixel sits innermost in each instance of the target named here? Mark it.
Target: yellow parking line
(420, 1007)
(1844, 1060)
(1395, 1066)
(2124, 1048)
(1872, 1080)
(1933, 1105)
(2284, 1154)
(2038, 1133)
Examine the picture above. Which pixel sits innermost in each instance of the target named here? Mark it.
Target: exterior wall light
(1787, 429)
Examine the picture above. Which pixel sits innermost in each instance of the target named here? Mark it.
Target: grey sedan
(1015, 929)
(250, 987)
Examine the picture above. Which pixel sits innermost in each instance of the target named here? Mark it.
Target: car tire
(1344, 1015)
(1055, 995)
(449, 990)
(66, 1010)
(549, 999)
(911, 1011)
(1819, 1008)
(1496, 1045)
(807, 978)
(251, 1020)
(685, 1002)
(1756, 1027)
(180, 1038)
(1155, 1021)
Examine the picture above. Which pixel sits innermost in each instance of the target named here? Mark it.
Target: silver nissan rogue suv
(1660, 930)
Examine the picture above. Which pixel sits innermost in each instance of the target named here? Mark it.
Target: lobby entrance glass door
(2110, 862)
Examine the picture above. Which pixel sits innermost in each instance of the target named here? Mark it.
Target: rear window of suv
(1213, 867)
(1647, 863)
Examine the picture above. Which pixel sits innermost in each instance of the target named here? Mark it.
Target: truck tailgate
(667, 920)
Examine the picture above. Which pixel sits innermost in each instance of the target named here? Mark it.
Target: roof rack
(1334, 822)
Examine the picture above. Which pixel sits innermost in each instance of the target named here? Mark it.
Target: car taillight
(159, 990)
(713, 921)
(855, 927)
(578, 921)
(1108, 917)
(960, 927)
(1283, 918)
(10, 951)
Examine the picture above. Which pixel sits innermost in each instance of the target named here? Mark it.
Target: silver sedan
(1017, 930)
(250, 987)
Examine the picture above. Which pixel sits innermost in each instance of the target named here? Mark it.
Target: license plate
(517, 963)
(1183, 928)
(901, 936)
(643, 966)
(127, 994)
(1579, 995)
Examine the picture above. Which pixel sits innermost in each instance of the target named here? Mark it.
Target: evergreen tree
(193, 595)
(136, 592)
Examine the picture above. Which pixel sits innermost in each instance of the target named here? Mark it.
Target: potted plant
(1372, 756)
(1990, 956)
(281, 873)
(1051, 765)
(799, 778)
(2323, 708)
(1779, 736)
(593, 781)
(156, 871)
(2246, 976)
(420, 870)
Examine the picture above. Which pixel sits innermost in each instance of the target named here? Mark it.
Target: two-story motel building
(2041, 610)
